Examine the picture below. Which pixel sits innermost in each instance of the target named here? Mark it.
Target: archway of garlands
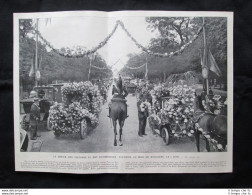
(75, 54)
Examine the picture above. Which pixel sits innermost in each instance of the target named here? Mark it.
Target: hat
(33, 94)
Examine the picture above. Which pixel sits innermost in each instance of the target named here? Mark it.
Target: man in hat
(34, 118)
(142, 116)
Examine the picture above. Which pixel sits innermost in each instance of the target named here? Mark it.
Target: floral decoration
(77, 54)
(80, 100)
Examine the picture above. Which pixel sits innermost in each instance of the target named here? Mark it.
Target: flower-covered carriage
(131, 88)
(172, 107)
(130, 85)
(79, 111)
(173, 114)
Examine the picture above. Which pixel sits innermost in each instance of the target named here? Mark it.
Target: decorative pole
(146, 68)
(90, 64)
(205, 65)
(36, 54)
(205, 60)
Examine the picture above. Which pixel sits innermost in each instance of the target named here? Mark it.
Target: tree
(25, 27)
(53, 66)
(172, 33)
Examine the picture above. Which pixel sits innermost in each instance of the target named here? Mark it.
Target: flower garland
(100, 68)
(104, 42)
(135, 68)
(216, 145)
(179, 51)
(74, 53)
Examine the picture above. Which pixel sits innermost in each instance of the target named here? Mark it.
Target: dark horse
(213, 125)
(118, 113)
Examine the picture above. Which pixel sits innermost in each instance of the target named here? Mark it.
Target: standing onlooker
(142, 116)
(34, 118)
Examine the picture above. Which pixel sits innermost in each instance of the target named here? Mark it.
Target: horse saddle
(118, 99)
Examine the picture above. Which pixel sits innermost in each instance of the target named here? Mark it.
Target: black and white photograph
(126, 83)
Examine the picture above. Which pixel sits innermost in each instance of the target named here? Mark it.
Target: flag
(212, 64)
(32, 70)
(38, 75)
(201, 58)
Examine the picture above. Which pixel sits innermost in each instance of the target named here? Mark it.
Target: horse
(118, 113)
(214, 125)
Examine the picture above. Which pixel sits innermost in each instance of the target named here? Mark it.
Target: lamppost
(146, 68)
(36, 54)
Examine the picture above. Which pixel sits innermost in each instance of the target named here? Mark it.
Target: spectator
(142, 116)
(34, 119)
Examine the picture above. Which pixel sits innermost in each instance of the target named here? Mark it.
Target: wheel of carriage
(57, 133)
(24, 124)
(83, 128)
(165, 135)
(48, 125)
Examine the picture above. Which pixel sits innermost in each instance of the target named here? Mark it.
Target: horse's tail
(118, 111)
(120, 114)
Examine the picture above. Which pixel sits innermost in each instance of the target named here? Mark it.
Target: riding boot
(127, 111)
(109, 113)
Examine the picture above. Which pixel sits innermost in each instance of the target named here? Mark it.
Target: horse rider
(104, 92)
(119, 91)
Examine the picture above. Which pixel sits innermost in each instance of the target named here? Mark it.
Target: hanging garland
(179, 51)
(85, 53)
(135, 68)
(100, 68)
(104, 42)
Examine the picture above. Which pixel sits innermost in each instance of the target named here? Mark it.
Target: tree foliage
(176, 31)
(25, 26)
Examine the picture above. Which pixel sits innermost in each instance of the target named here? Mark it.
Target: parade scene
(143, 85)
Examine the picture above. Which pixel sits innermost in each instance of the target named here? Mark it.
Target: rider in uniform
(119, 91)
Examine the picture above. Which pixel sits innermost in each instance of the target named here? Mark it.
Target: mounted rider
(119, 93)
